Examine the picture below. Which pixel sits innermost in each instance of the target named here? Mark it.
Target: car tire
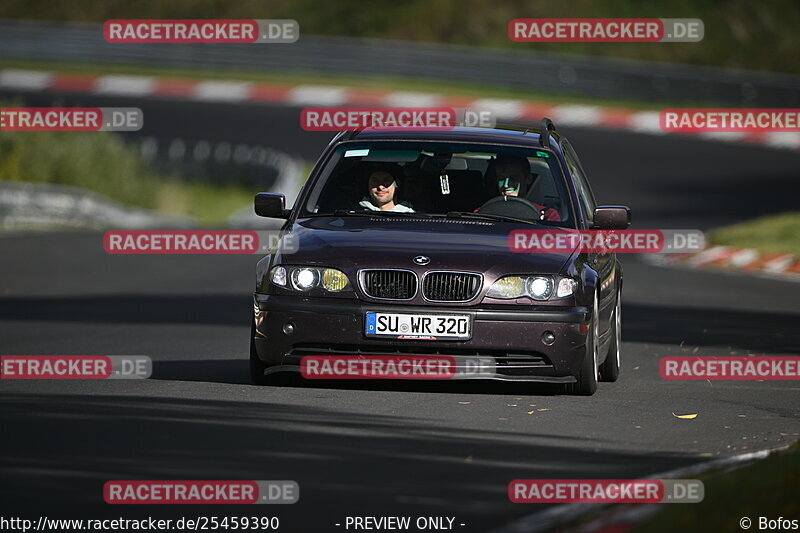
(257, 366)
(586, 383)
(609, 370)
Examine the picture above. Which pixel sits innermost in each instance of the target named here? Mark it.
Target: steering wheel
(511, 206)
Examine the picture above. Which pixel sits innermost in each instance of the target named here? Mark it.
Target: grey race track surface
(380, 448)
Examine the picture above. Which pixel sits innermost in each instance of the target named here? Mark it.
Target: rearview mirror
(612, 217)
(272, 205)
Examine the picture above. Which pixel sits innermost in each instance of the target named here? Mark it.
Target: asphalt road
(381, 449)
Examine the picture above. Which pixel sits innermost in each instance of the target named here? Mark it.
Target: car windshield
(442, 179)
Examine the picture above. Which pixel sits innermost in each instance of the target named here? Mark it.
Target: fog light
(288, 328)
(548, 337)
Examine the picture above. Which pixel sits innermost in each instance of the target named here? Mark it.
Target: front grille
(389, 284)
(451, 286)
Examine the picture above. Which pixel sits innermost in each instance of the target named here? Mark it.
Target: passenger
(416, 191)
(382, 186)
(514, 178)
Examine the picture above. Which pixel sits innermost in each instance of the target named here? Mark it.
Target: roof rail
(546, 126)
(349, 134)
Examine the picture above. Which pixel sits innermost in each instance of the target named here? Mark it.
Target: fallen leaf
(531, 412)
(468, 459)
(687, 417)
(511, 405)
(636, 368)
(696, 349)
(464, 403)
(638, 427)
(742, 416)
(705, 454)
(502, 418)
(545, 409)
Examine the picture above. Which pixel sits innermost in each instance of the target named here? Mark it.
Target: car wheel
(586, 383)
(257, 366)
(609, 370)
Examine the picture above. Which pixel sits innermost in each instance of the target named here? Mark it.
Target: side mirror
(271, 205)
(612, 217)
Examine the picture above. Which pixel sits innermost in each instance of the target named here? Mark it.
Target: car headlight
(334, 280)
(566, 287)
(304, 279)
(278, 276)
(535, 287)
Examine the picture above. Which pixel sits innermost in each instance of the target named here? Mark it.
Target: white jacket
(400, 208)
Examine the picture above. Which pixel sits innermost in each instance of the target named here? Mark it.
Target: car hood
(352, 243)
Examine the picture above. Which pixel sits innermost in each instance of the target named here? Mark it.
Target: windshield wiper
(486, 216)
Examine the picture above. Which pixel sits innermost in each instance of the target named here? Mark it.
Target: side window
(584, 192)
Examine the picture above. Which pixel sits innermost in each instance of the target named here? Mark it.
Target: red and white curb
(505, 110)
(731, 258)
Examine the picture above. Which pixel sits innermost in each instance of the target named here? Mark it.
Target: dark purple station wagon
(401, 247)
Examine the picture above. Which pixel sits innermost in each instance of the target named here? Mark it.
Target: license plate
(402, 326)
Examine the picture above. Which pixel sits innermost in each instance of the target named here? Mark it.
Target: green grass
(101, 162)
(738, 33)
(766, 488)
(775, 233)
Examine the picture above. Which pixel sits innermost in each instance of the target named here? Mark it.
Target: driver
(382, 186)
(514, 178)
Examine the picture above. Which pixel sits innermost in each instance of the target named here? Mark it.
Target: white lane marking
(25, 79)
(317, 95)
(645, 122)
(577, 115)
(779, 264)
(412, 99)
(743, 257)
(727, 136)
(708, 255)
(223, 91)
(501, 108)
(782, 139)
(125, 85)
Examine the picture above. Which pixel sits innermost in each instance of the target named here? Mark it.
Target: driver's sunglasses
(385, 182)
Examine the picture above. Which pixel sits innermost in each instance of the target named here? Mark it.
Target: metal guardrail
(508, 68)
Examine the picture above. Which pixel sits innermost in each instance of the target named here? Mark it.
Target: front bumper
(335, 326)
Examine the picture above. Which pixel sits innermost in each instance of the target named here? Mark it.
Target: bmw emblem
(422, 260)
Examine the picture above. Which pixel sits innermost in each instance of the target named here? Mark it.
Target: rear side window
(581, 183)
